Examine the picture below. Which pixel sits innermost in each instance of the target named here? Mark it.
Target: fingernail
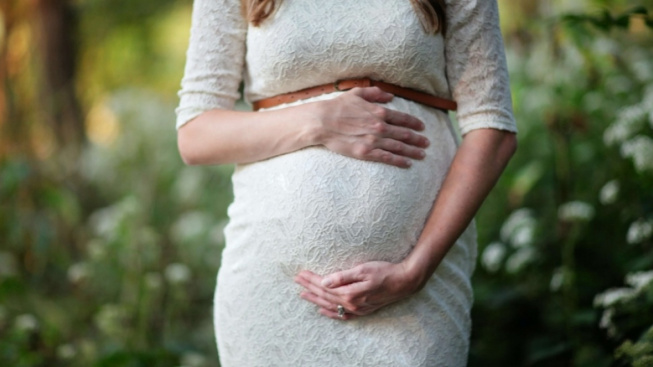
(426, 142)
(409, 163)
(422, 154)
(326, 282)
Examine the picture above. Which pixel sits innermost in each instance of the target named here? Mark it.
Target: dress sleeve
(476, 66)
(215, 59)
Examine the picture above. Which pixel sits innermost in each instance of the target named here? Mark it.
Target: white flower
(519, 228)
(606, 321)
(613, 296)
(516, 219)
(78, 272)
(575, 211)
(189, 184)
(609, 192)
(106, 221)
(640, 150)
(96, 249)
(26, 322)
(193, 359)
(493, 256)
(616, 133)
(639, 231)
(642, 70)
(629, 121)
(517, 261)
(66, 351)
(640, 280)
(557, 278)
(111, 319)
(190, 225)
(153, 280)
(602, 45)
(177, 273)
(523, 236)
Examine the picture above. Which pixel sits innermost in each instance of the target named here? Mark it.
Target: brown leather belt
(346, 84)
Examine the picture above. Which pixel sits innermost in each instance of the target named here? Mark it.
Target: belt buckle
(336, 86)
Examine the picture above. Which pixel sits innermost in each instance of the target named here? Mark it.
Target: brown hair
(431, 13)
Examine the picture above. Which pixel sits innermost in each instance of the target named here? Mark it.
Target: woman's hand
(365, 288)
(353, 125)
(361, 290)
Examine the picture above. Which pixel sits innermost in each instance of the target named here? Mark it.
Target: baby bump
(318, 210)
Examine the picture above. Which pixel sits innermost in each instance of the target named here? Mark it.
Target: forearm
(222, 136)
(479, 162)
(352, 124)
(365, 288)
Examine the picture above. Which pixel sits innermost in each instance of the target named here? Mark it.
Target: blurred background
(109, 245)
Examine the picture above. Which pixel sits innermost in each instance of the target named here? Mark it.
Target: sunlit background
(109, 245)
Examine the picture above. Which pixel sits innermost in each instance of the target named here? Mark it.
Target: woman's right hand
(354, 125)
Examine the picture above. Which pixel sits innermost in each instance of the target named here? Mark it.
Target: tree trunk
(5, 28)
(55, 28)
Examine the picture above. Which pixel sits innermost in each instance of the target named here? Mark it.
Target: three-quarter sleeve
(476, 66)
(215, 59)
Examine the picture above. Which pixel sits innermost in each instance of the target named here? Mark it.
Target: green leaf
(622, 21)
(639, 10)
(649, 22)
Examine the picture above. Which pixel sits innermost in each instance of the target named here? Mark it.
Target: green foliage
(573, 212)
(606, 21)
(640, 353)
(627, 311)
(118, 272)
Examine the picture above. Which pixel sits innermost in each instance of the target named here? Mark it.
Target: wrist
(417, 271)
(313, 129)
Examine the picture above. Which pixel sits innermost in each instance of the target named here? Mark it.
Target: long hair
(431, 13)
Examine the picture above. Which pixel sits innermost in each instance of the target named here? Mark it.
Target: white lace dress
(317, 210)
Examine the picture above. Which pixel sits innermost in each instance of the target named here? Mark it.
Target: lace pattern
(314, 209)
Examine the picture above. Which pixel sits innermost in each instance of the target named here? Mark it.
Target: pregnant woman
(350, 240)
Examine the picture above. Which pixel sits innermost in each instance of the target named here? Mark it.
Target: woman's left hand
(361, 290)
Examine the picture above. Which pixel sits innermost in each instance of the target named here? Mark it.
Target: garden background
(109, 245)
